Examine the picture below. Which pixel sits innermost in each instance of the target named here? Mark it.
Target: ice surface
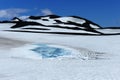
(44, 51)
(50, 52)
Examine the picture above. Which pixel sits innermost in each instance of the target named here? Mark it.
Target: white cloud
(46, 12)
(23, 17)
(9, 13)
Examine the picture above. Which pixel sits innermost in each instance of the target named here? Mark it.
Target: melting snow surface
(48, 51)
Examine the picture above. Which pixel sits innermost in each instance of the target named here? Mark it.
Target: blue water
(47, 51)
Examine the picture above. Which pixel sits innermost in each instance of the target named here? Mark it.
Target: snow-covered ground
(84, 57)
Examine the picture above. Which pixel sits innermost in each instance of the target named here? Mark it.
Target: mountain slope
(53, 24)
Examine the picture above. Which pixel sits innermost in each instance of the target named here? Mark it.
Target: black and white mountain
(54, 24)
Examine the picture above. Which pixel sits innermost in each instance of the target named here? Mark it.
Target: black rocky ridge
(39, 17)
(20, 25)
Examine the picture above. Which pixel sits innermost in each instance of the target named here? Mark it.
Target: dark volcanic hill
(54, 24)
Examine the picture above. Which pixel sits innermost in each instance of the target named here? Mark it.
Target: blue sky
(103, 12)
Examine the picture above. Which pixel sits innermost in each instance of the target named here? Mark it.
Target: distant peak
(16, 19)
